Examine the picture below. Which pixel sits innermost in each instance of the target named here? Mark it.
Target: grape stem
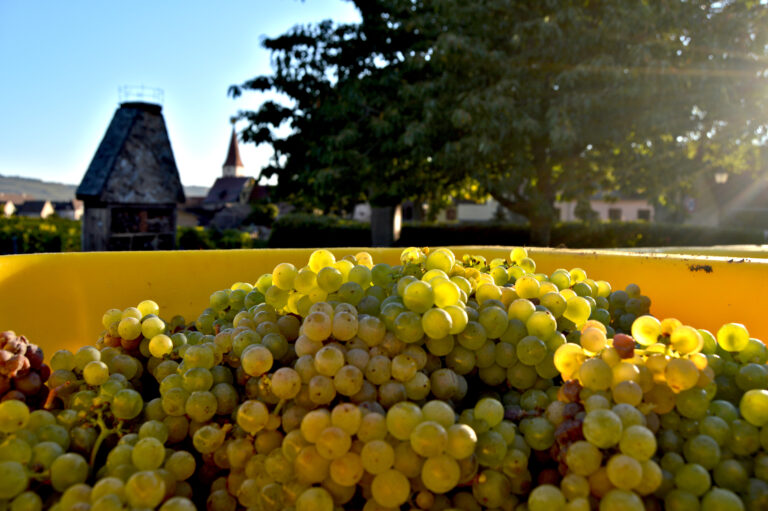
(279, 406)
(104, 432)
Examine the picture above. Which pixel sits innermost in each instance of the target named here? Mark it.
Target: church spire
(233, 166)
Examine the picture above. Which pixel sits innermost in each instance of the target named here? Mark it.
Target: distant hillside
(59, 191)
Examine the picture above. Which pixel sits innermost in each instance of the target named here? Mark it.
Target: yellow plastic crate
(57, 300)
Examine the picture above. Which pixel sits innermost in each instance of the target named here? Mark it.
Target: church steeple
(233, 166)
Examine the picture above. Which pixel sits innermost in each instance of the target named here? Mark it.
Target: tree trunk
(385, 225)
(541, 230)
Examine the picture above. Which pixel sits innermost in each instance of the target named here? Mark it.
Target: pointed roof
(134, 163)
(233, 154)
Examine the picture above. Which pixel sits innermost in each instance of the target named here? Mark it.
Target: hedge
(305, 231)
(199, 238)
(302, 230)
(22, 235)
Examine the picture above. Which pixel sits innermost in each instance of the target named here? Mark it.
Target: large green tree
(528, 102)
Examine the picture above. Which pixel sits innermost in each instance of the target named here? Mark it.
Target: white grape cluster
(434, 384)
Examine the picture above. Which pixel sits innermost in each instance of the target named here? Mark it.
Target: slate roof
(31, 207)
(226, 190)
(63, 206)
(134, 162)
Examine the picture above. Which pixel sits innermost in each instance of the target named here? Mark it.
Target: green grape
(13, 416)
(680, 500)
(390, 489)
(638, 442)
(568, 359)
(320, 259)
(621, 500)
(208, 438)
(491, 488)
(62, 360)
(546, 497)
(152, 326)
(407, 327)
(577, 309)
(719, 499)
(440, 474)
(252, 416)
(732, 337)
(145, 489)
(702, 450)
(593, 339)
(95, 373)
(686, 339)
(494, 320)
(527, 286)
(329, 279)
(490, 410)
(692, 403)
(148, 454)
(541, 324)
(554, 302)
(418, 296)
(745, 438)
(754, 407)
(67, 470)
(521, 376)
(181, 464)
(447, 293)
(333, 442)
(436, 323)
(27, 501)
(603, 428)
(129, 328)
(731, 474)
(428, 439)
(15, 449)
(624, 472)
(595, 374)
(461, 441)
(402, 418)
(723, 409)
(127, 404)
(531, 350)
(491, 448)
(681, 374)
(752, 376)
(377, 456)
(693, 478)
(13, 479)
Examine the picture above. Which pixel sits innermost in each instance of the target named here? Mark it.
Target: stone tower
(132, 186)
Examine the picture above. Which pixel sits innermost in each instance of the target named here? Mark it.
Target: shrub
(303, 230)
(199, 238)
(21, 235)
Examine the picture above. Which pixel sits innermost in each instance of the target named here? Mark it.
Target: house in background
(227, 203)
(607, 209)
(35, 209)
(10, 202)
(728, 200)
(7, 208)
(71, 209)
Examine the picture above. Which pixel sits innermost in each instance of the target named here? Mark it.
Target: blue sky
(62, 62)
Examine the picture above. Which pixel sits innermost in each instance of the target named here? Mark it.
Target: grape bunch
(22, 371)
(436, 383)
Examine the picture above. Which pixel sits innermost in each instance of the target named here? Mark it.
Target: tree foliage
(528, 102)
